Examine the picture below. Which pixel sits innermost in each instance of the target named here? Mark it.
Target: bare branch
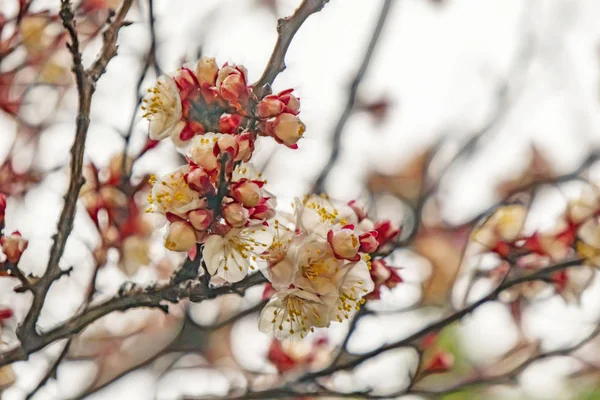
(286, 28)
(85, 80)
(336, 139)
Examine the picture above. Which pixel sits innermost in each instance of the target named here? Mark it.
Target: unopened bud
(13, 246)
(231, 83)
(236, 215)
(5, 313)
(358, 209)
(227, 144)
(180, 236)
(248, 193)
(265, 210)
(206, 70)
(228, 123)
(385, 231)
(245, 147)
(345, 244)
(368, 242)
(198, 180)
(269, 107)
(200, 219)
(287, 129)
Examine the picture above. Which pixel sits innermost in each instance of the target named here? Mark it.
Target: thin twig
(286, 29)
(86, 80)
(436, 326)
(154, 297)
(336, 139)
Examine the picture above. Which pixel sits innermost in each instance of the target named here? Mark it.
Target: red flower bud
(368, 242)
(201, 219)
(231, 84)
(199, 180)
(386, 231)
(228, 123)
(247, 192)
(286, 129)
(358, 209)
(245, 146)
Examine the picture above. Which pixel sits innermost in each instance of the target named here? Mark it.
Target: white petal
(213, 253)
(281, 274)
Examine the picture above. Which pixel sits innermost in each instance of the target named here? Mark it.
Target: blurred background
(494, 89)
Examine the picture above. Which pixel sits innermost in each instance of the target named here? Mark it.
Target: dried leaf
(405, 184)
(443, 248)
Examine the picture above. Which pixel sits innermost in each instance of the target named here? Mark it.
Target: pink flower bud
(245, 147)
(368, 242)
(204, 156)
(228, 123)
(180, 236)
(248, 193)
(189, 130)
(206, 70)
(345, 244)
(198, 180)
(286, 129)
(227, 144)
(231, 83)
(270, 106)
(291, 102)
(187, 83)
(200, 219)
(386, 231)
(13, 246)
(236, 215)
(275, 104)
(264, 210)
(358, 209)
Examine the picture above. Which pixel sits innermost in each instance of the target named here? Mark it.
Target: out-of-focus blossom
(13, 246)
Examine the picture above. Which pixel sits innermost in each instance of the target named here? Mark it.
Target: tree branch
(85, 80)
(154, 297)
(336, 139)
(286, 28)
(436, 326)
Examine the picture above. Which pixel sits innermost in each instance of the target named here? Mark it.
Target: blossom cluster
(319, 266)
(575, 235)
(204, 98)
(114, 206)
(317, 259)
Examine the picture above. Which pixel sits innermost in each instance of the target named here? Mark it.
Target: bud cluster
(317, 262)
(204, 98)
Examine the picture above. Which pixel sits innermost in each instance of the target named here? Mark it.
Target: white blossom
(295, 313)
(231, 256)
(162, 106)
(171, 194)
